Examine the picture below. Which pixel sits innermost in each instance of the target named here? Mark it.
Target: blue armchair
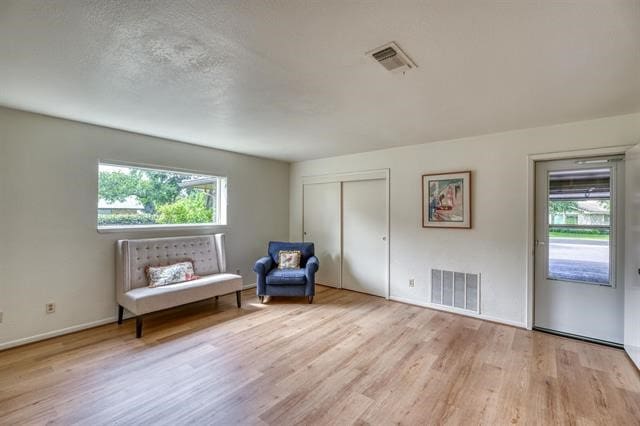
(287, 282)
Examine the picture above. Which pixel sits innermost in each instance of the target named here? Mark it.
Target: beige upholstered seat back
(206, 252)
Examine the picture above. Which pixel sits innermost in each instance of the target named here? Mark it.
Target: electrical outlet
(412, 282)
(50, 307)
(237, 271)
(1, 313)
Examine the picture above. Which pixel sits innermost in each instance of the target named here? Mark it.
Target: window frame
(221, 200)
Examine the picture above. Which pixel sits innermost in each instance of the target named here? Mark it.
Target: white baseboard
(54, 333)
(73, 329)
(458, 311)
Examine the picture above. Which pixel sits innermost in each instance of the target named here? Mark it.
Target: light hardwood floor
(347, 359)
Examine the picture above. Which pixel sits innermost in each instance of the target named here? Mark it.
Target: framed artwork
(446, 200)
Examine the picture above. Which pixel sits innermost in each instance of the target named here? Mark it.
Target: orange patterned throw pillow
(289, 259)
(171, 274)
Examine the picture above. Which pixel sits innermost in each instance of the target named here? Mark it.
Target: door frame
(349, 177)
(531, 214)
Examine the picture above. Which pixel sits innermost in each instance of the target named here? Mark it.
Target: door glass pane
(580, 226)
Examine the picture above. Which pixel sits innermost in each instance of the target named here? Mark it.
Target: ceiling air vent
(392, 58)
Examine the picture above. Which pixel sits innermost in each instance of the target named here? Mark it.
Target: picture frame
(446, 200)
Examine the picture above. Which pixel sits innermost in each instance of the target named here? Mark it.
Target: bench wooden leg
(120, 314)
(139, 326)
(238, 299)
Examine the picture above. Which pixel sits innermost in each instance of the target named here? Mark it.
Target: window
(580, 226)
(130, 196)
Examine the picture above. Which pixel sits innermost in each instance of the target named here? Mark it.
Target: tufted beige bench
(208, 256)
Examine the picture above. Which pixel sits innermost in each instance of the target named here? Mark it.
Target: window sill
(151, 228)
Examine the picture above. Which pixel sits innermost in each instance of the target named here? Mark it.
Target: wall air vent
(392, 58)
(457, 290)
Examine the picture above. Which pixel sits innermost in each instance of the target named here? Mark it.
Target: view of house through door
(579, 221)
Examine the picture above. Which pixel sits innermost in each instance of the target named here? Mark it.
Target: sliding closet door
(321, 219)
(364, 228)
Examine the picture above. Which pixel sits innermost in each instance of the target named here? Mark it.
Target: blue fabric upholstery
(263, 265)
(311, 268)
(306, 250)
(286, 276)
(272, 281)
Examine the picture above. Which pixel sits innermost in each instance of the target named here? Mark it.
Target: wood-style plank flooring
(347, 359)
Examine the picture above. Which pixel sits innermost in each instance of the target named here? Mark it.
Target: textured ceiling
(289, 79)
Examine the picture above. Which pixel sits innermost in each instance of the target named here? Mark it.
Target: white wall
(496, 246)
(50, 249)
(632, 257)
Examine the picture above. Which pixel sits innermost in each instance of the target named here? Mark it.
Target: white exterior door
(579, 277)
(321, 221)
(632, 256)
(364, 228)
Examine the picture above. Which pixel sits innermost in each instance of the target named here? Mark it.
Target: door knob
(384, 238)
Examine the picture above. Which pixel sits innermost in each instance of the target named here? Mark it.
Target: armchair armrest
(312, 265)
(310, 273)
(263, 265)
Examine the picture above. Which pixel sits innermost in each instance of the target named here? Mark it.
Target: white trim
(159, 168)
(340, 230)
(530, 246)
(350, 177)
(301, 213)
(248, 286)
(147, 228)
(55, 333)
(458, 311)
(346, 177)
(530, 214)
(388, 245)
(593, 152)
